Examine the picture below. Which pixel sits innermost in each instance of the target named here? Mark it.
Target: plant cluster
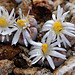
(51, 41)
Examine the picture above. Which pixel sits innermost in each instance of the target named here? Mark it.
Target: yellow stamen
(22, 22)
(2, 22)
(57, 26)
(44, 48)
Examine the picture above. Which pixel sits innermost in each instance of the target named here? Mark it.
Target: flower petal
(54, 18)
(36, 59)
(20, 13)
(16, 36)
(50, 37)
(65, 39)
(46, 28)
(3, 37)
(43, 59)
(58, 40)
(68, 33)
(57, 54)
(49, 59)
(44, 37)
(35, 51)
(64, 15)
(30, 40)
(69, 28)
(59, 12)
(7, 37)
(24, 38)
(11, 14)
(33, 56)
(54, 44)
(51, 22)
(67, 24)
(59, 49)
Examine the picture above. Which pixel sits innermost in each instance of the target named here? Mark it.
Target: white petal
(30, 40)
(43, 59)
(5, 31)
(59, 49)
(7, 37)
(33, 56)
(47, 25)
(11, 14)
(20, 13)
(69, 28)
(16, 36)
(54, 37)
(3, 37)
(59, 12)
(24, 38)
(58, 40)
(64, 15)
(67, 24)
(46, 28)
(50, 37)
(51, 22)
(57, 54)
(36, 59)
(54, 18)
(14, 29)
(54, 44)
(64, 44)
(49, 59)
(72, 32)
(44, 37)
(25, 42)
(35, 47)
(27, 35)
(36, 51)
(68, 33)
(65, 39)
(35, 43)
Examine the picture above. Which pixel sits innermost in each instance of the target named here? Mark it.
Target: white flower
(59, 28)
(6, 23)
(23, 27)
(44, 51)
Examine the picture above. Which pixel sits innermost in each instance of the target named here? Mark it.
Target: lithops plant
(23, 27)
(6, 23)
(45, 50)
(59, 28)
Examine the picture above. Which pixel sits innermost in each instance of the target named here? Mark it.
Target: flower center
(22, 22)
(44, 48)
(2, 22)
(57, 26)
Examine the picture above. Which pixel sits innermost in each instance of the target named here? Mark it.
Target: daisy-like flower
(23, 27)
(59, 27)
(44, 51)
(6, 23)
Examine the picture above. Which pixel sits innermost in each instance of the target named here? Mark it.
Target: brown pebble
(6, 67)
(32, 71)
(8, 52)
